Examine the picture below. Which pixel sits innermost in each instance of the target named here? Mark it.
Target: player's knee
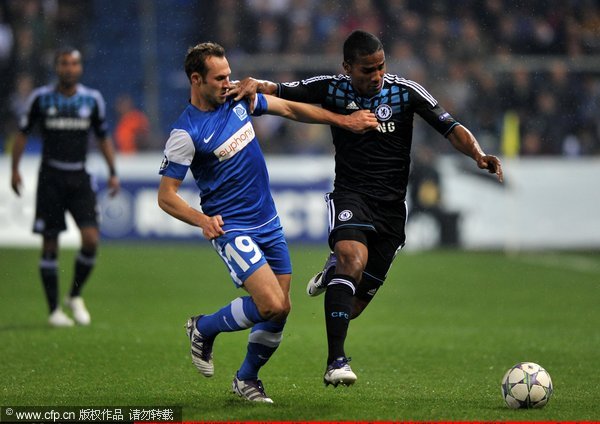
(283, 313)
(350, 262)
(275, 309)
(90, 237)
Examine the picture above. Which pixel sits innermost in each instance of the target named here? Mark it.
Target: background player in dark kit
(65, 113)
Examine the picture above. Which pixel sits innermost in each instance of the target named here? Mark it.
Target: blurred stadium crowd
(496, 65)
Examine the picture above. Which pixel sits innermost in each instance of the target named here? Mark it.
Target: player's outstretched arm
(359, 122)
(250, 86)
(464, 141)
(173, 204)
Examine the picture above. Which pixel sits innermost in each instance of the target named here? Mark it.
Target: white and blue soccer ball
(526, 385)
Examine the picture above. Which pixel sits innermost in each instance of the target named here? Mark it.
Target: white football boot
(339, 372)
(59, 319)
(251, 390)
(201, 349)
(80, 312)
(317, 284)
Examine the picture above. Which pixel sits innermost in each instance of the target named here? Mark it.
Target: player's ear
(195, 78)
(346, 66)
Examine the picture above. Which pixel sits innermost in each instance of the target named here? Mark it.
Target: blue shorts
(244, 251)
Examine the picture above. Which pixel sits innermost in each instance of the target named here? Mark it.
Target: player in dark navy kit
(215, 140)
(65, 113)
(367, 208)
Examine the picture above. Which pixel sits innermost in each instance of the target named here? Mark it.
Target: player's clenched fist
(362, 121)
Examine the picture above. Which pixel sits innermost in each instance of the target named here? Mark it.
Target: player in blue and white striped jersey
(215, 140)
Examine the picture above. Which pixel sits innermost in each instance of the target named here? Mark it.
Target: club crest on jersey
(240, 111)
(383, 112)
(345, 215)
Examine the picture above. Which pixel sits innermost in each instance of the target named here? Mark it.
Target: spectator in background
(17, 104)
(487, 32)
(23, 87)
(132, 133)
(6, 69)
(551, 122)
(425, 191)
(71, 21)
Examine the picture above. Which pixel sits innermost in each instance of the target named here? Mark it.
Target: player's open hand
(113, 186)
(492, 164)
(361, 121)
(245, 88)
(212, 227)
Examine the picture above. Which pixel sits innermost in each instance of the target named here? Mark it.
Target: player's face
(214, 88)
(367, 73)
(69, 68)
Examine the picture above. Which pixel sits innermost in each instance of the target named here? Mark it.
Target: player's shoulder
(187, 120)
(85, 90)
(43, 90)
(392, 80)
(37, 95)
(194, 122)
(241, 108)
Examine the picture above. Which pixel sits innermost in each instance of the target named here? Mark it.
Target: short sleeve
(179, 153)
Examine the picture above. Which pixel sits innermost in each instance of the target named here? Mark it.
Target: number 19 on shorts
(241, 254)
(243, 251)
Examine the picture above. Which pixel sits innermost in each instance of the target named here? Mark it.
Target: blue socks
(263, 341)
(240, 314)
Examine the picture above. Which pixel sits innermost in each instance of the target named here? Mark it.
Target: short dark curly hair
(65, 50)
(360, 43)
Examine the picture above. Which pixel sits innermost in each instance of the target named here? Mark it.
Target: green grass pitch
(433, 345)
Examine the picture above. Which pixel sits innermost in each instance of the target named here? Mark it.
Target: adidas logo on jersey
(352, 106)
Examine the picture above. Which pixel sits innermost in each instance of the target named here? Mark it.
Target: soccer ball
(526, 385)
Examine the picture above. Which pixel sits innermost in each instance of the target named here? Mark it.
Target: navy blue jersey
(375, 164)
(65, 122)
(221, 150)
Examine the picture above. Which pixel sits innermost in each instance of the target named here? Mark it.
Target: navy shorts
(377, 224)
(59, 192)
